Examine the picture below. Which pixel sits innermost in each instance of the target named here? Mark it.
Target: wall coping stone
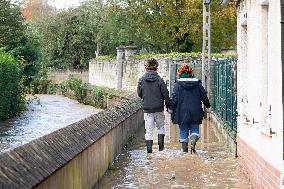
(28, 165)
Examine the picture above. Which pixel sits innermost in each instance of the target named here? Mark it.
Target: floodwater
(212, 167)
(45, 114)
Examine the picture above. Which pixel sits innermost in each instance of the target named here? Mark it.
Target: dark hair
(151, 64)
(152, 68)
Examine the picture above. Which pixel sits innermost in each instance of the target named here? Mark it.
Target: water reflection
(211, 167)
(45, 114)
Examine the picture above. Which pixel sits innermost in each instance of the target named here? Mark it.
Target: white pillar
(119, 65)
(129, 51)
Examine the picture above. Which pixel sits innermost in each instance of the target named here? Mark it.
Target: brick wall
(260, 172)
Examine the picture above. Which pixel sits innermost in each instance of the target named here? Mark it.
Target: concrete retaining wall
(225, 133)
(75, 156)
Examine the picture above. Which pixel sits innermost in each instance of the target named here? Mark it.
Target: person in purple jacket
(186, 106)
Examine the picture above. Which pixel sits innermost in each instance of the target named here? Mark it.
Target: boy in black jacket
(153, 92)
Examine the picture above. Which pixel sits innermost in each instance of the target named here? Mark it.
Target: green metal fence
(225, 91)
(223, 86)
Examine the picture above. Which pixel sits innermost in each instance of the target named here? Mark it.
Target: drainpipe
(282, 65)
(282, 58)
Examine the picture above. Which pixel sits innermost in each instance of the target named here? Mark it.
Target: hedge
(11, 97)
(181, 55)
(195, 55)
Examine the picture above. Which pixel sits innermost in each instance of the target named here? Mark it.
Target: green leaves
(96, 96)
(169, 26)
(73, 37)
(70, 38)
(11, 24)
(194, 55)
(11, 91)
(18, 38)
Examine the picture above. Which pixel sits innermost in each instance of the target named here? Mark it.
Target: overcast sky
(59, 4)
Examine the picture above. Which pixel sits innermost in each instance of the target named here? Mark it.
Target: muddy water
(211, 167)
(44, 114)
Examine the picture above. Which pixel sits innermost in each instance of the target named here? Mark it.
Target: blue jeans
(184, 131)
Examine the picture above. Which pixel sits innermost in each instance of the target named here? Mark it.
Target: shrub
(79, 89)
(180, 55)
(100, 95)
(105, 58)
(12, 99)
(52, 88)
(40, 85)
(64, 88)
(74, 88)
(95, 96)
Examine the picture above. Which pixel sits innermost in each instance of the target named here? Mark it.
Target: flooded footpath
(212, 167)
(45, 114)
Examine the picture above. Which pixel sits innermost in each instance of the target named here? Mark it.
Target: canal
(45, 114)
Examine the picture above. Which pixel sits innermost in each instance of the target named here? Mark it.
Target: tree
(11, 24)
(98, 13)
(72, 38)
(17, 38)
(12, 99)
(37, 10)
(28, 49)
(224, 27)
(164, 26)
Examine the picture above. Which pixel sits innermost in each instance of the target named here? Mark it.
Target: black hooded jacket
(153, 92)
(186, 102)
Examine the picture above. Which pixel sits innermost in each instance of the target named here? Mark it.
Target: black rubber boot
(161, 141)
(149, 144)
(184, 146)
(193, 140)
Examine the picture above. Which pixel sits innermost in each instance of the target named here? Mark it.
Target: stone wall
(61, 75)
(225, 133)
(104, 72)
(75, 156)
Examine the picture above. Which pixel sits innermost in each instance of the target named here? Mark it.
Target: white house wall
(260, 85)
